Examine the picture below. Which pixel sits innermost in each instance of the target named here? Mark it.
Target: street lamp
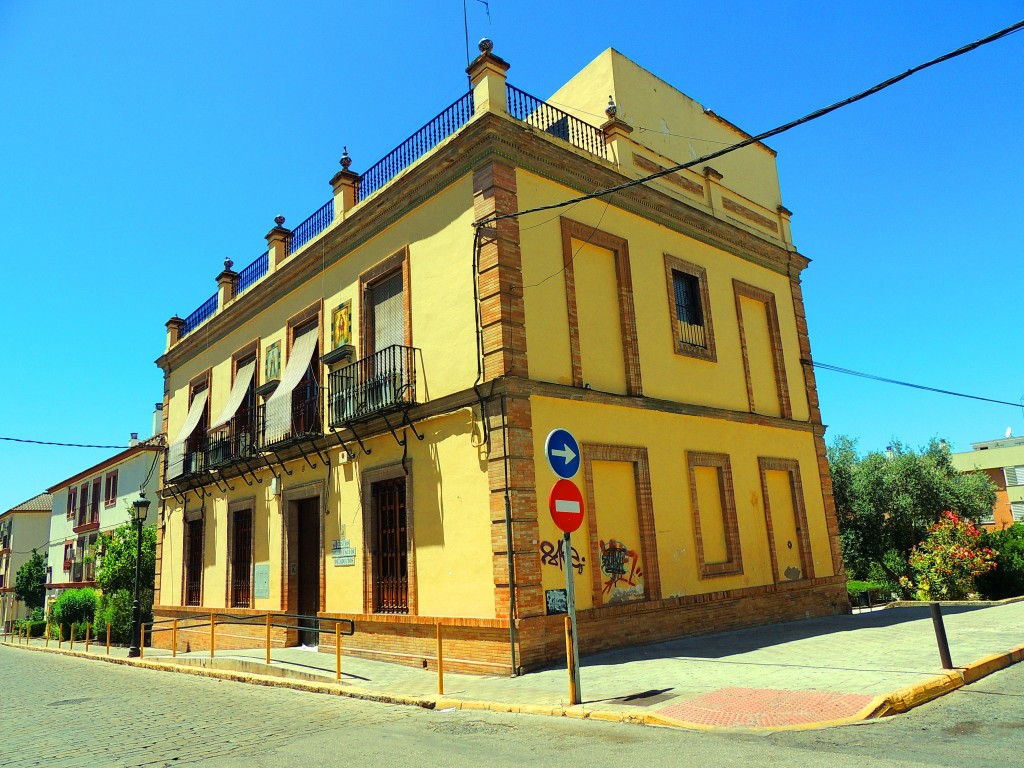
(140, 509)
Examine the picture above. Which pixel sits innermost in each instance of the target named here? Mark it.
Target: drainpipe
(508, 546)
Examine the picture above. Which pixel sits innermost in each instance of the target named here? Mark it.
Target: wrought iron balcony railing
(376, 384)
(303, 420)
(236, 441)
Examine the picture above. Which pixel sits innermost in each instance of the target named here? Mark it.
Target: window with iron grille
(241, 559)
(689, 309)
(194, 562)
(391, 559)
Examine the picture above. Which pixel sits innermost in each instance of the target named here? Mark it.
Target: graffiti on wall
(551, 553)
(623, 573)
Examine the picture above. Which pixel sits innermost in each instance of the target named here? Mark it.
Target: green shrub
(74, 606)
(116, 610)
(1007, 580)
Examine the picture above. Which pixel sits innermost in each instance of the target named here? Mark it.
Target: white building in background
(23, 528)
(93, 502)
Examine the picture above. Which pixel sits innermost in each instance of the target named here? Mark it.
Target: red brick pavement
(765, 707)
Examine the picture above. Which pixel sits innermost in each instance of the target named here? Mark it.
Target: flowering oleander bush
(949, 560)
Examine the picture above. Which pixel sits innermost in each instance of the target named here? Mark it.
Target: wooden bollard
(174, 638)
(87, 628)
(213, 633)
(440, 664)
(71, 627)
(337, 650)
(108, 638)
(47, 634)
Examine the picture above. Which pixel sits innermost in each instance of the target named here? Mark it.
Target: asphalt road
(58, 711)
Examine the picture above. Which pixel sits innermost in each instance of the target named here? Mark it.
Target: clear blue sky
(142, 143)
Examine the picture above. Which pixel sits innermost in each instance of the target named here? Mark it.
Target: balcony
(383, 382)
(237, 441)
(305, 420)
(86, 526)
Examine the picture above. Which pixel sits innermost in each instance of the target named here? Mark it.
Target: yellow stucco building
(357, 419)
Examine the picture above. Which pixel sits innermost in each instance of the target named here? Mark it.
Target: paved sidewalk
(798, 674)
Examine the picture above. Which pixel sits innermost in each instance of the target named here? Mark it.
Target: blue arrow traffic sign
(563, 453)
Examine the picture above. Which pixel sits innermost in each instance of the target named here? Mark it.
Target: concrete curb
(897, 702)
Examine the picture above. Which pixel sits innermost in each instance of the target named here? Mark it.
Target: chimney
(134, 440)
(158, 419)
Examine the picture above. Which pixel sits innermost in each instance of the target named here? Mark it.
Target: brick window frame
(234, 507)
(637, 456)
(733, 565)
(398, 261)
(791, 466)
(619, 247)
(740, 290)
(369, 477)
(707, 352)
(110, 489)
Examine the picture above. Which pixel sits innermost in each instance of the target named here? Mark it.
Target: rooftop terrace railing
(521, 106)
(253, 272)
(201, 315)
(562, 125)
(451, 118)
(312, 226)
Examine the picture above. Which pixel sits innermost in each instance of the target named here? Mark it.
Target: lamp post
(140, 508)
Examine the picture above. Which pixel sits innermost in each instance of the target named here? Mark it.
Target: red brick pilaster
(814, 410)
(500, 278)
(518, 446)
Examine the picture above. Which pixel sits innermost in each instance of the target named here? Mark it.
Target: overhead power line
(873, 377)
(767, 134)
(63, 445)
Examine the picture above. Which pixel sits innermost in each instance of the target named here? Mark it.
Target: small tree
(116, 577)
(30, 582)
(949, 560)
(886, 503)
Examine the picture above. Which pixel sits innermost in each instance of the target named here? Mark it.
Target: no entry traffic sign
(566, 505)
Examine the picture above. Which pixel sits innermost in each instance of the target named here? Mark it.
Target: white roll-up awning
(243, 377)
(176, 453)
(278, 419)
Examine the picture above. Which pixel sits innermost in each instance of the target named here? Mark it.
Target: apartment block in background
(23, 528)
(93, 502)
(1002, 461)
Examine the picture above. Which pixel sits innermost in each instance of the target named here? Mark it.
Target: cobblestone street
(66, 712)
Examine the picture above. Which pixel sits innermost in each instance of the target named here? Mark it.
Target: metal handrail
(436, 130)
(554, 121)
(376, 384)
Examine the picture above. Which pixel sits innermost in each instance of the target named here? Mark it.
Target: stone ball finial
(228, 264)
(611, 110)
(346, 161)
(485, 45)
(279, 220)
